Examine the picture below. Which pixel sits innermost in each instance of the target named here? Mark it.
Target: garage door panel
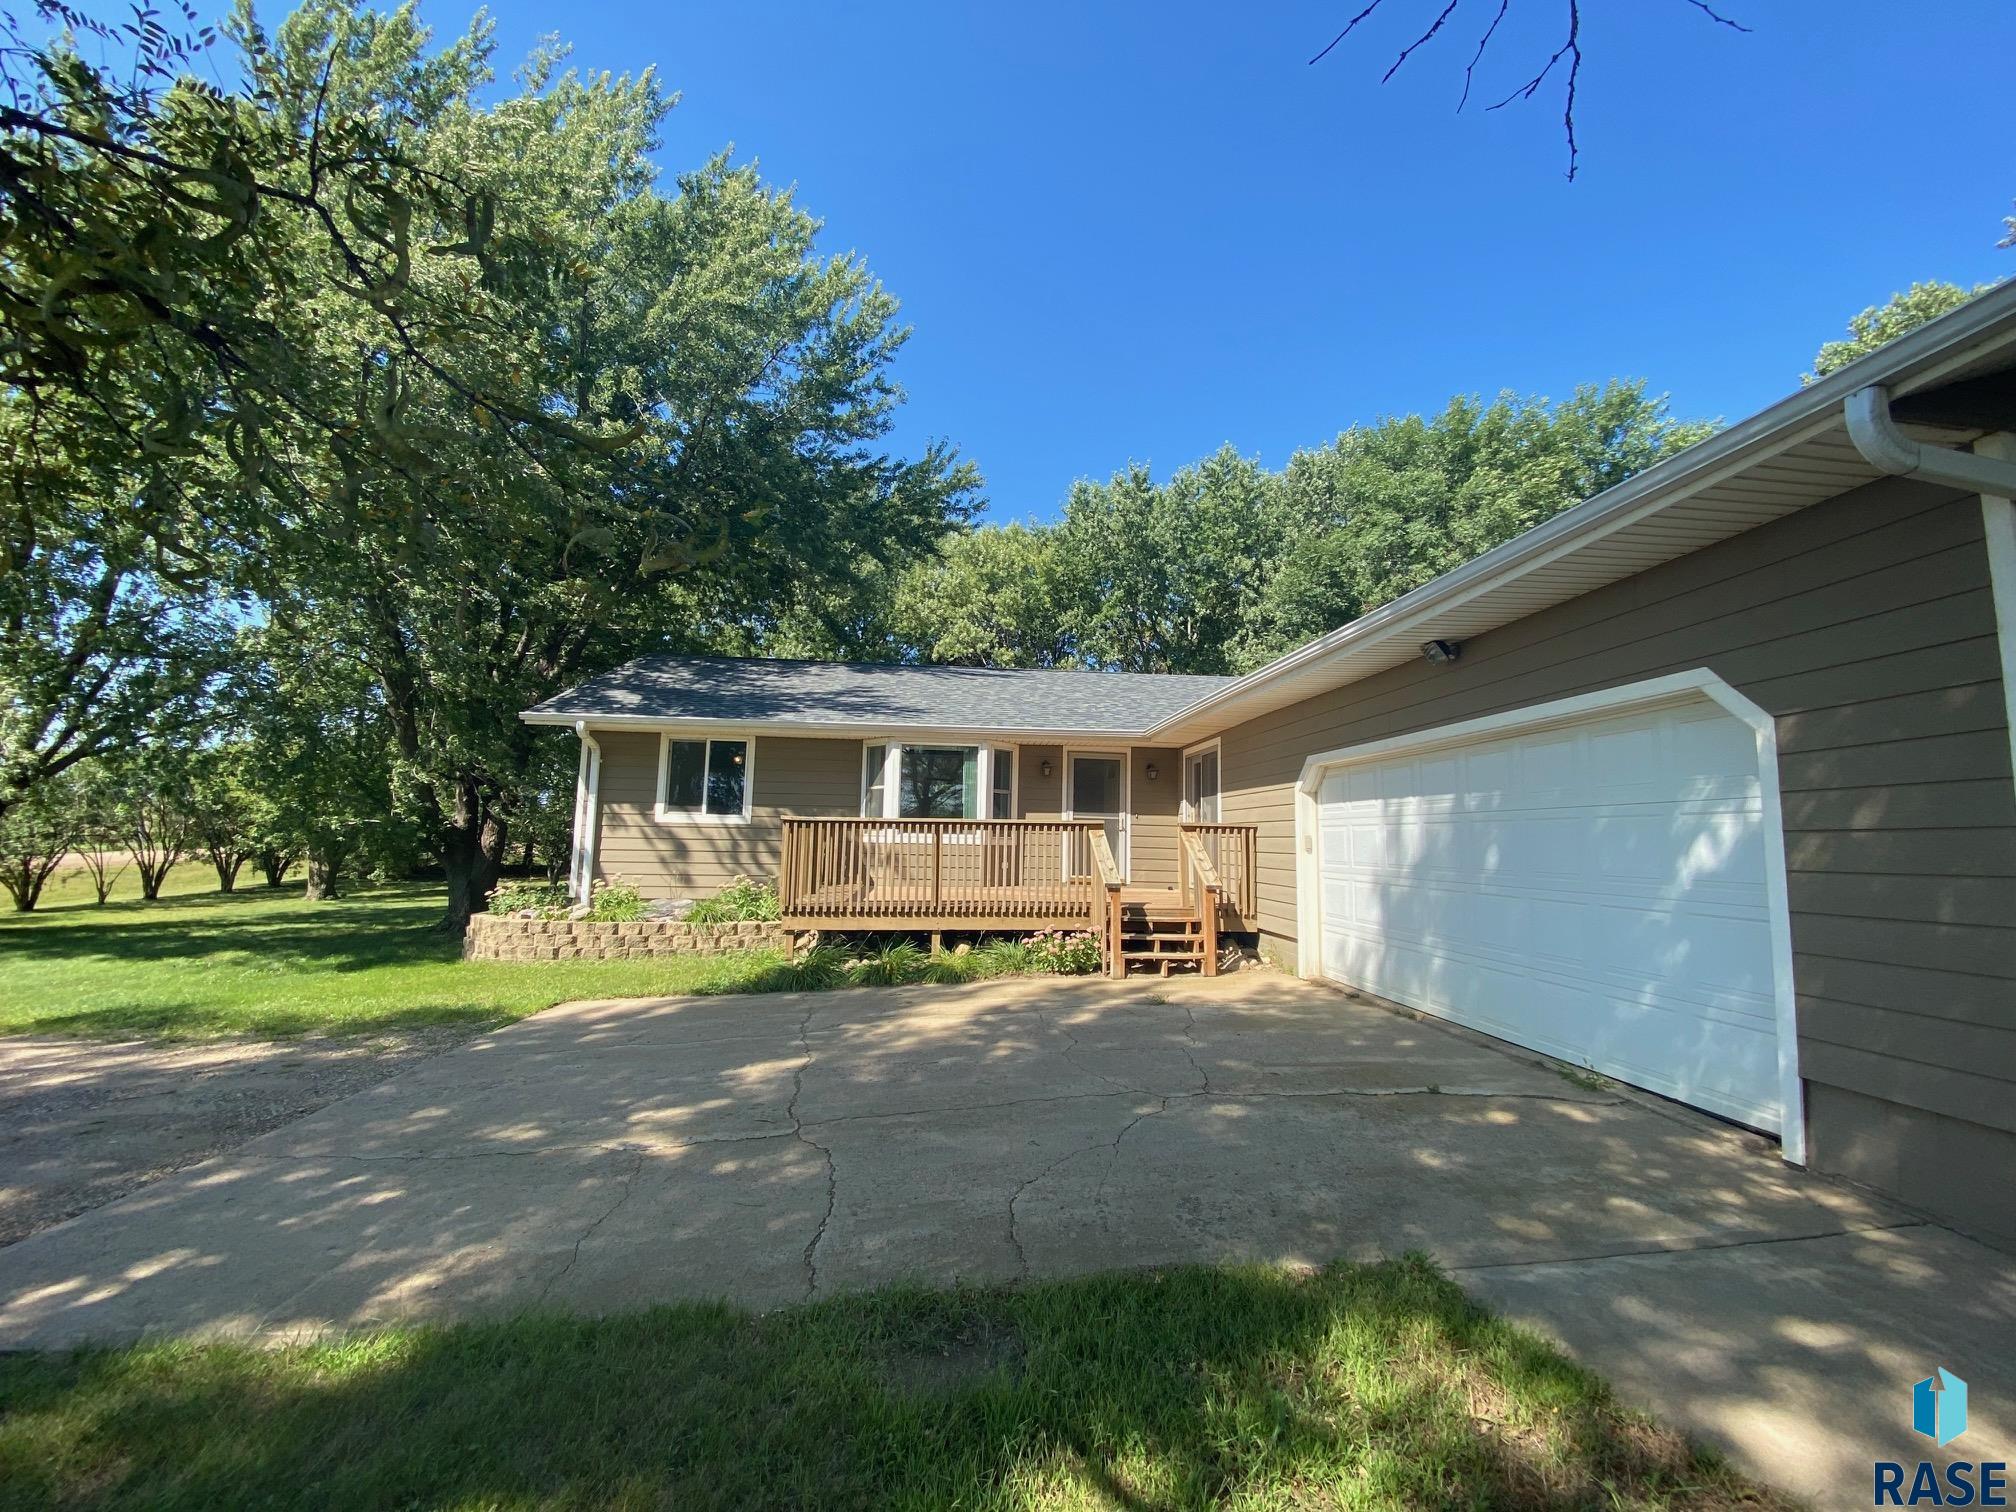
(1595, 891)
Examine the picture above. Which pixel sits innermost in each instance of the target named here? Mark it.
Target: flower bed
(506, 937)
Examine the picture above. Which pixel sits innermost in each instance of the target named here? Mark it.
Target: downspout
(1889, 450)
(587, 814)
(1990, 471)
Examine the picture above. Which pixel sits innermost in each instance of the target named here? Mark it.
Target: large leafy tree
(1158, 578)
(169, 416)
(991, 598)
(748, 376)
(1387, 507)
(1879, 325)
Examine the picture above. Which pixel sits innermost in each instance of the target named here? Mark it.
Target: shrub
(518, 894)
(1004, 958)
(1066, 952)
(615, 902)
(740, 901)
(951, 968)
(817, 969)
(894, 965)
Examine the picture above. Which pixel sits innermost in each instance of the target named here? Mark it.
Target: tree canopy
(439, 381)
(1226, 564)
(1879, 325)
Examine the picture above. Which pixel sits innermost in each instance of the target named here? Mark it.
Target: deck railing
(1231, 850)
(943, 873)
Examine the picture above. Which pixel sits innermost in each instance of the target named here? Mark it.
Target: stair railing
(1108, 871)
(1197, 865)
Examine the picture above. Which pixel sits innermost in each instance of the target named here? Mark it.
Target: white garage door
(1594, 890)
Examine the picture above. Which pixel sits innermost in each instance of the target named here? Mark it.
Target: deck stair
(1159, 932)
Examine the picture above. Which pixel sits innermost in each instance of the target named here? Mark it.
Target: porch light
(1441, 652)
(1047, 769)
(1152, 772)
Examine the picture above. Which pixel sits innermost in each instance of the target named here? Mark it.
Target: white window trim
(892, 772)
(1677, 688)
(1185, 816)
(666, 815)
(1126, 758)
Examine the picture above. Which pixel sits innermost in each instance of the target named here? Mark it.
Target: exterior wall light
(1152, 772)
(1441, 651)
(1047, 769)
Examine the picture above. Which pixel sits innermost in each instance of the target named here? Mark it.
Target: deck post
(1116, 963)
(1210, 908)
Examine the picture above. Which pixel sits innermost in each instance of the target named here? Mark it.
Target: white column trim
(1998, 527)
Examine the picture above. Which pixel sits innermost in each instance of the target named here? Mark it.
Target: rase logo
(1939, 1411)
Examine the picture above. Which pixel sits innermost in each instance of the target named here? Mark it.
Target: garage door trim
(1680, 687)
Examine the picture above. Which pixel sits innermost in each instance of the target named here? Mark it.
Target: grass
(1359, 1386)
(200, 963)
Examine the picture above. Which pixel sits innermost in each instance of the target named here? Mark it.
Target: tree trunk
(227, 865)
(325, 870)
(276, 864)
(152, 875)
(472, 854)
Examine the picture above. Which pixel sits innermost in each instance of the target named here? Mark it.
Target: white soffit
(1786, 458)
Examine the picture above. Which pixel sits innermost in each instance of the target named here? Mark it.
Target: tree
(224, 810)
(101, 848)
(1160, 578)
(153, 812)
(990, 598)
(35, 836)
(750, 375)
(319, 756)
(1882, 324)
(1387, 507)
(171, 253)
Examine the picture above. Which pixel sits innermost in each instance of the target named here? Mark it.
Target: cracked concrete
(765, 1149)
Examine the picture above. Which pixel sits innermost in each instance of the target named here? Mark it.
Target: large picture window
(900, 781)
(703, 779)
(939, 782)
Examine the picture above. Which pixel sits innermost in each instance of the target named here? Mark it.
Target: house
(1704, 783)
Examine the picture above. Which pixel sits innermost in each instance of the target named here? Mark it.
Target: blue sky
(1140, 231)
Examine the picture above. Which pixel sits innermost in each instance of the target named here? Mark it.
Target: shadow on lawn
(345, 935)
(1379, 1385)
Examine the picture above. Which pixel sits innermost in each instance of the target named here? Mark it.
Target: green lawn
(1377, 1386)
(201, 963)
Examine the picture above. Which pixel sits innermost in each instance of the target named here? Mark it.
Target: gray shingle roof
(869, 693)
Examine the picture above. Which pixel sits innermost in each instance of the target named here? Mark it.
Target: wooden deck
(983, 875)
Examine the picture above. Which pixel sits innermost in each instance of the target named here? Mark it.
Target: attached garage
(1592, 878)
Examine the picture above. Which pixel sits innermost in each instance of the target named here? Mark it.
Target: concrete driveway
(769, 1149)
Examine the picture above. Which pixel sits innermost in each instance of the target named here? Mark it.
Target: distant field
(201, 963)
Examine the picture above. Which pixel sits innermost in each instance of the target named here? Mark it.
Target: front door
(1096, 788)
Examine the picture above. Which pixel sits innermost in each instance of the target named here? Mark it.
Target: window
(938, 782)
(703, 779)
(1001, 803)
(1200, 786)
(901, 781)
(874, 781)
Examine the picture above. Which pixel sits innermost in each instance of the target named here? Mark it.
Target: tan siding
(1157, 819)
(1865, 626)
(819, 778)
(1042, 797)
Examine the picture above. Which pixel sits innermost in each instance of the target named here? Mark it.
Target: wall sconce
(1152, 772)
(1047, 769)
(1441, 652)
